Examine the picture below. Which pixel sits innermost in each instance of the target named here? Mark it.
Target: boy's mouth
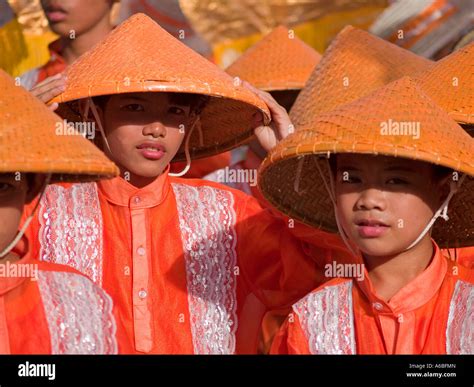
(151, 150)
(55, 14)
(371, 228)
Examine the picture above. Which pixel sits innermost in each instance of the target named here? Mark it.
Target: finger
(53, 106)
(57, 84)
(281, 122)
(266, 96)
(266, 137)
(257, 119)
(47, 84)
(49, 94)
(49, 80)
(284, 128)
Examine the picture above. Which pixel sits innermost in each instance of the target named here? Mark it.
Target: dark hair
(439, 172)
(196, 102)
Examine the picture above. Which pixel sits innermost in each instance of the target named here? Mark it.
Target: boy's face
(14, 193)
(65, 16)
(384, 202)
(145, 131)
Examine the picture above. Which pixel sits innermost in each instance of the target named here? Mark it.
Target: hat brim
(299, 192)
(226, 120)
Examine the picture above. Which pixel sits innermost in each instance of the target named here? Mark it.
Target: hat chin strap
(20, 233)
(330, 189)
(90, 105)
(186, 152)
(441, 213)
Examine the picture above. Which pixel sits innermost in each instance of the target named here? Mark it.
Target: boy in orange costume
(81, 24)
(191, 265)
(387, 187)
(45, 308)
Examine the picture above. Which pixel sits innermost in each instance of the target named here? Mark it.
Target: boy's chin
(378, 247)
(149, 171)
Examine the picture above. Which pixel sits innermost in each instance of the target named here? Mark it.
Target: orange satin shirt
(433, 314)
(51, 309)
(191, 265)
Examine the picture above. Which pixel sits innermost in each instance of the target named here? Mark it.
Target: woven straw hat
(355, 64)
(356, 128)
(140, 56)
(280, 61)
(31, 141)
(450, 83)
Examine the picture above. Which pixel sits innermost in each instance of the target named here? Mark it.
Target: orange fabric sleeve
(290, 340)
(281, 263)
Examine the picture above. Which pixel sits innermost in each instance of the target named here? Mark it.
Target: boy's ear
(35, 183)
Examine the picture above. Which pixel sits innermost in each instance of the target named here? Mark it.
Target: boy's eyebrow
(348, 168)
(399, 168)
(389, 168)
(143, 99)
(136, 97)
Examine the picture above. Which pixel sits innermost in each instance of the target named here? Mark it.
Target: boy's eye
(176, 110)
(396, 180)
(133, 107)
(5, 187)
(349, 179)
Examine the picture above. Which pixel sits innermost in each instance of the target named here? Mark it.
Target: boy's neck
(74, 48)
(391, 273)
(140, 181)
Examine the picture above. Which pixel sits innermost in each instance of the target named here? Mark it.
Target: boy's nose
(155, 129)
(370, 199)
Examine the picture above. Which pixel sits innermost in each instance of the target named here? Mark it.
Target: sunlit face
(384, 203)
(78, 16)
(145, 131)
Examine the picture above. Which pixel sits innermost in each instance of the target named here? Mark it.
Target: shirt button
(136, 199)
(377, 306)
(142, 294)
(141, 251)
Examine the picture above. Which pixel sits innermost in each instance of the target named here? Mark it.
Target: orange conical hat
(35, 140)
(140, 56)
(290, 180)
(280, 61)
(450, 83)
(355, 64)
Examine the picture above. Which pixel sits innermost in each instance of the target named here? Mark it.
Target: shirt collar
(122, 193)
(414, 294)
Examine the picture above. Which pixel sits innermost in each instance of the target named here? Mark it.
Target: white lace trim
(79, 314)
(460, 328)
(327, 319)
(71, 228)
(207, 222)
